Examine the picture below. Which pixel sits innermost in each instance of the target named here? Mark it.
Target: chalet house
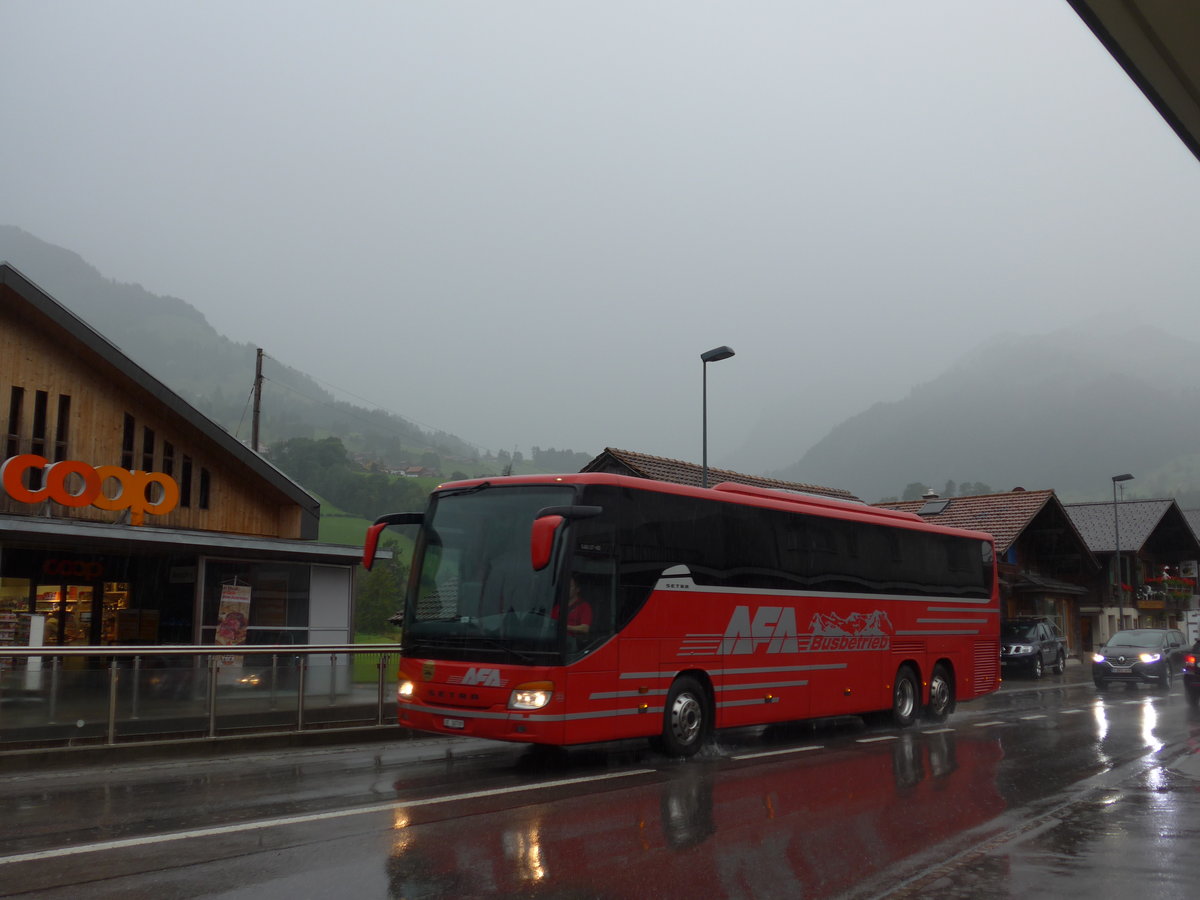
(642, 465)
(1158, 549)
(1045, 566)
(128, 517)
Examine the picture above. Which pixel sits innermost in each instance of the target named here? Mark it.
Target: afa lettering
(132, 488)
(774, 626)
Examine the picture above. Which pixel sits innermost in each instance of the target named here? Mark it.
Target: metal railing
(74, 696)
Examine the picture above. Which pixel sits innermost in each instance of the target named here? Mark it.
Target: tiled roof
(1137, 520)
(1193, 519)
(1003, 516)
(678, 472)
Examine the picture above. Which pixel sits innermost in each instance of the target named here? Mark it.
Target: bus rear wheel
(941, 694)
(905, 697)
(685, 718)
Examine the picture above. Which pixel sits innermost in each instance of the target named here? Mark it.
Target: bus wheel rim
(686, 718)
(905, 700)
(939, 695)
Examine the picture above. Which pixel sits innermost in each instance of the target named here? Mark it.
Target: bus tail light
(533, 695)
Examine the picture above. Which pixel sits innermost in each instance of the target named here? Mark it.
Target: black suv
(1140, 656)
(1032, 644)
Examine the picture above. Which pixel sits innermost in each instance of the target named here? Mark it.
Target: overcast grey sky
(521, 222)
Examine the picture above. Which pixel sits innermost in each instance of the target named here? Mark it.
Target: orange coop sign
(104, 487)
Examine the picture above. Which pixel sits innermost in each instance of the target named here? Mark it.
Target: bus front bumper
(494, 724)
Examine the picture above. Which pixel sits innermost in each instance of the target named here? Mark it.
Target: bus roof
(731, 492)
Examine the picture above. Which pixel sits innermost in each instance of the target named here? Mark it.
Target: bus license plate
(454, 723)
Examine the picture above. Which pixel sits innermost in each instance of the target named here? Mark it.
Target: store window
(255, 603)
(93, 614)
(14, 616)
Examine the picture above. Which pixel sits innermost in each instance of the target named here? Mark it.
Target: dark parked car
(1191, 674)
(1140, 656)
(1031, 645)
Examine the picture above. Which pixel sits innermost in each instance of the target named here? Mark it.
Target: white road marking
(778, 752)
(876, 740)
(301, 820)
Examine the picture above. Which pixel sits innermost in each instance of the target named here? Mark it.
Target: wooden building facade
(127, 516)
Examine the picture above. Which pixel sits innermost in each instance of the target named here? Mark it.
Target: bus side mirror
(371, 544)
(541, 540)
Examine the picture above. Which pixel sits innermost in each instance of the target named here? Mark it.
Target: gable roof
(1004, 516)
(658, 468)
(102, 353)
(1193, 519)
(1137, 520)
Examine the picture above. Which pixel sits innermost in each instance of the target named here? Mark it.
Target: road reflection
(795, 825)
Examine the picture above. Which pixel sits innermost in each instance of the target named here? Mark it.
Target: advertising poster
(233, 616)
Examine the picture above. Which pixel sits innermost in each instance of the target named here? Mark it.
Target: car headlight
(1098, 657)
(534, 695)
(404, 690)
(1022, 648)
(1150, 657)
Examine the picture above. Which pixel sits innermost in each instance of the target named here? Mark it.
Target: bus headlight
(404, 691)
(534, 695)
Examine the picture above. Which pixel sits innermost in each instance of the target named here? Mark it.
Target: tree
(974, 489)
(380, 594)
(949, 489)
(914, 491)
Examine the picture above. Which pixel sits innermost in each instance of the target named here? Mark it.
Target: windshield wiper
(461, 491)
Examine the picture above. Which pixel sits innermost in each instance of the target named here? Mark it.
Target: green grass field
(365, 664)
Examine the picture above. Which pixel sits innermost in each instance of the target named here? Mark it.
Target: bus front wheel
(685, 718)
(906, 697)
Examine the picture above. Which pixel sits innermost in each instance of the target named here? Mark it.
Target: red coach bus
(570, 609)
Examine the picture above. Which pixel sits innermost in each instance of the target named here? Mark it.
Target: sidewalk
(1077, 672)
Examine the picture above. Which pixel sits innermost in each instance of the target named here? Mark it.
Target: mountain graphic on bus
(876, 622)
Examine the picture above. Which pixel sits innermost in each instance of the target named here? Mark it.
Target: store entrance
(79, 612)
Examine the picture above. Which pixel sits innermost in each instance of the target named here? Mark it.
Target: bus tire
(941, 694)
(685, 718)
(906, 697)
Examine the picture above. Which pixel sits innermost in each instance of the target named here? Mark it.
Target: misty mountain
(174, 342)
(1066, 410)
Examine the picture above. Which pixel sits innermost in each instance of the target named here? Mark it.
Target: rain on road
(1044, 785)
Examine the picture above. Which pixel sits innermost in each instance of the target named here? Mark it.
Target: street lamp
(1117, 535)
(716, 354)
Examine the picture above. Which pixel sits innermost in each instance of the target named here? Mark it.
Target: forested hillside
(1065, 411)
(175, 343)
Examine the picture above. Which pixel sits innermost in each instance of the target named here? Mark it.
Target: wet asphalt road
(1046, 789)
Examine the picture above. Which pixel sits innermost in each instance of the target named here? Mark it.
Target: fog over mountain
(522, 223)
(1065, 410)
(174, 341)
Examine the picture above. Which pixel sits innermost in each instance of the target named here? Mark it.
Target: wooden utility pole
(257, 400)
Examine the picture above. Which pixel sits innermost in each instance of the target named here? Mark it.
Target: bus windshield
(474, 593)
